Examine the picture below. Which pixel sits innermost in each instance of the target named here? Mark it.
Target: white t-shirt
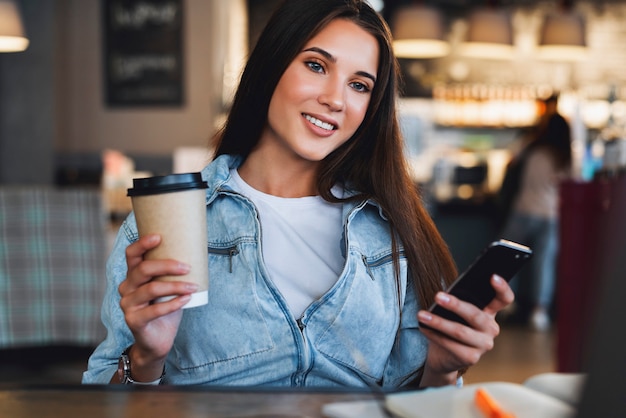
(301, 243)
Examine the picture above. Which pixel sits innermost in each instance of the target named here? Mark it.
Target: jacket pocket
(231, 326)
(363, 331)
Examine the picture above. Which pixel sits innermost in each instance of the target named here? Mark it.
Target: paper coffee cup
(174, 206)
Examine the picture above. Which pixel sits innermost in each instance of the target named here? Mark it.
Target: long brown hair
(372, 162)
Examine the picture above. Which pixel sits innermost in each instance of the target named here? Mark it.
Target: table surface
(163, 401)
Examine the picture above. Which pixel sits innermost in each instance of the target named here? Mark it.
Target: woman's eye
(360, 87)
(315, 66)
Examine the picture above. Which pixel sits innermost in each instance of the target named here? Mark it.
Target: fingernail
(184, 268)
(497, 279)
(191, 287)
(424, 316)
(442, 297)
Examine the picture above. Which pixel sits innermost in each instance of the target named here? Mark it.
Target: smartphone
(504, 258)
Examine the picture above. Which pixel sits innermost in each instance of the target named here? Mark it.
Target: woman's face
(323, 96)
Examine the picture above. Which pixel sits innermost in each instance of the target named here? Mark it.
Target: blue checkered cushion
(52, 256)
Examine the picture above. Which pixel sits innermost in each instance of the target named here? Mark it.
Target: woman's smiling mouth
(319, 123)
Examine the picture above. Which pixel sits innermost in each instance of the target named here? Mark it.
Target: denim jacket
(354, 335)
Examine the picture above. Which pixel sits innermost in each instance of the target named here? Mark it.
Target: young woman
(320, 252)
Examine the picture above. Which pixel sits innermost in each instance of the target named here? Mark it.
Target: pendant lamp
(12, 38)
(489, 35)
(562, 37)
(418, 32)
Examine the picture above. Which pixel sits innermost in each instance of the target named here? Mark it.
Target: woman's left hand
(454, 346)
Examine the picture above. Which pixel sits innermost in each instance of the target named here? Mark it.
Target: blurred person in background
(535, 174)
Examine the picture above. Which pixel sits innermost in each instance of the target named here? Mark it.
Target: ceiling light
(489, 35)
(562, 37)
(418, 32)
(12, 37)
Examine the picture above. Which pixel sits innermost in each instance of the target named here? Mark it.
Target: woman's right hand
(153, 324)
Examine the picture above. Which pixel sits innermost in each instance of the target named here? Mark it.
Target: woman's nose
(333, 96)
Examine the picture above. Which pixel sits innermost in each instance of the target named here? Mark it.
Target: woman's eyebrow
(323, 52)
(332, 59)
(366, 74)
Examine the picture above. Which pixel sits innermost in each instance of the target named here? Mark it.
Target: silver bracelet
(153, 383)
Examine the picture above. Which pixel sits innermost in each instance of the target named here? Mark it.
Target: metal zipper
(369, 265)
(230, 252)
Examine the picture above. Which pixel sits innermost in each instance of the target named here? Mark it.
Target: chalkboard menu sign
(143, 55)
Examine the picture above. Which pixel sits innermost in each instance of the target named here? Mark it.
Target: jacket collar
(217, 175)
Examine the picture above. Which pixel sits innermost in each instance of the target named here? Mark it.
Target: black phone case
(504, 258)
